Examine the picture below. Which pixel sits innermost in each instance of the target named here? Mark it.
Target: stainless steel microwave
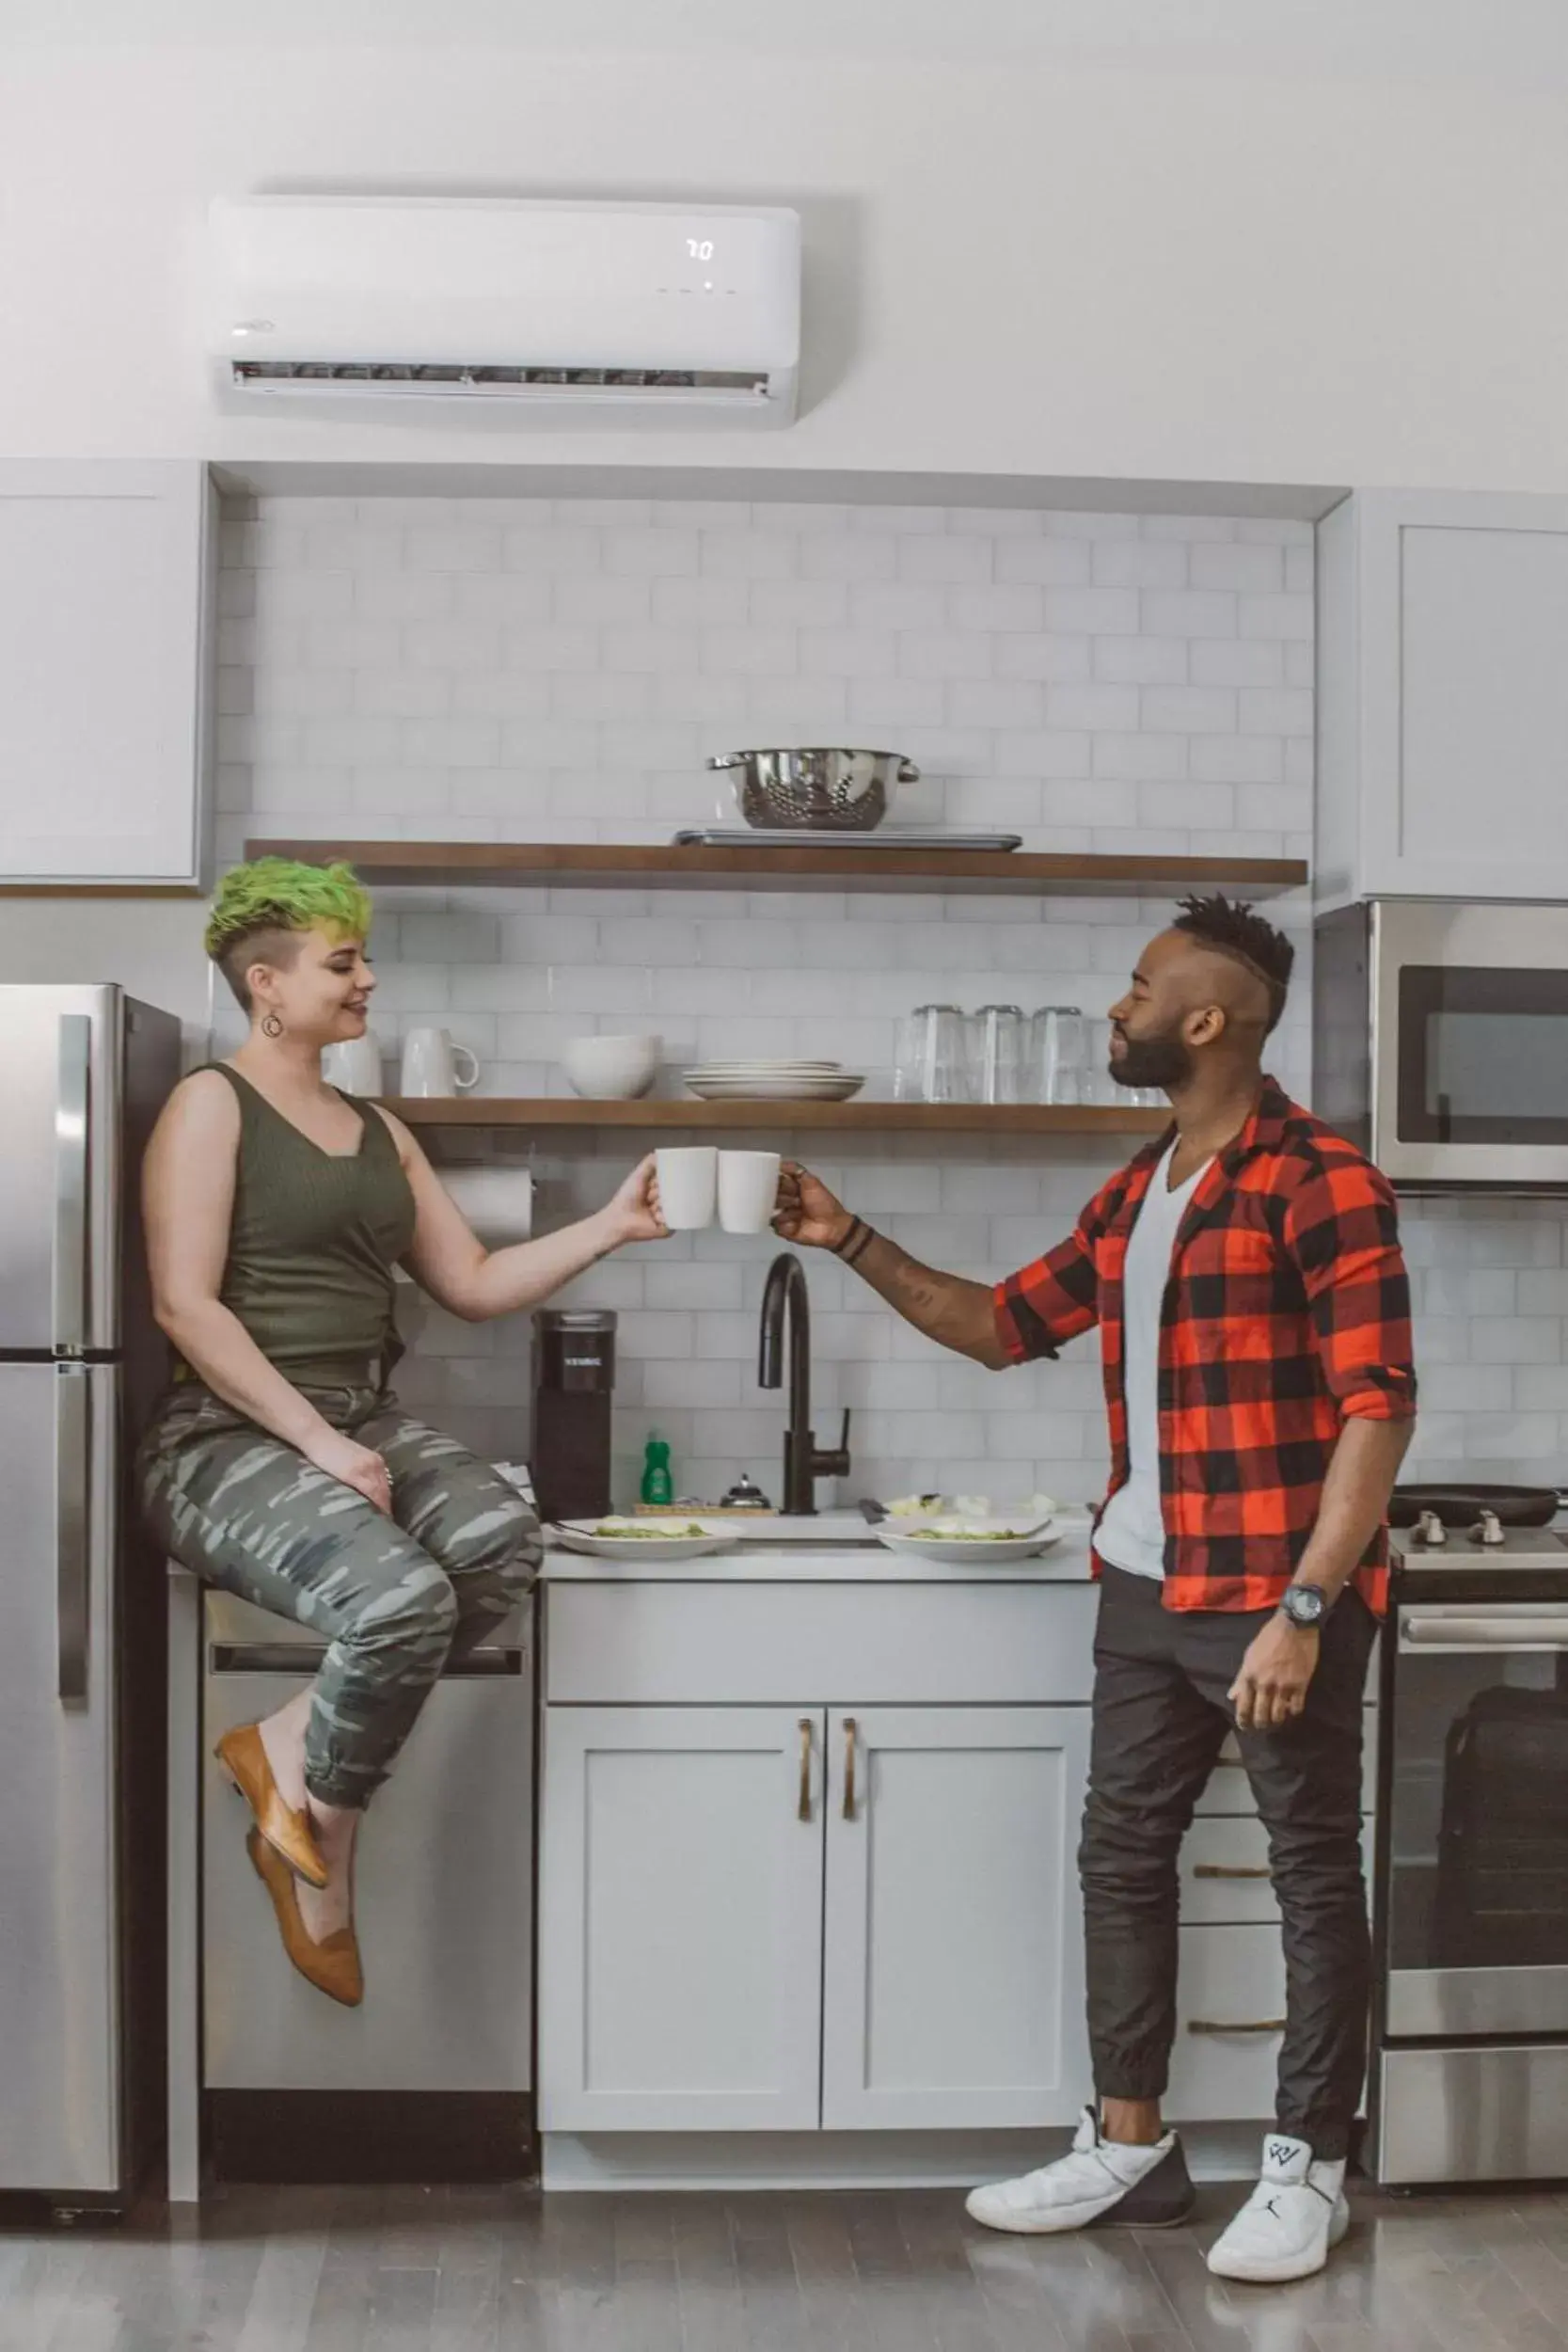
(1440, 1042)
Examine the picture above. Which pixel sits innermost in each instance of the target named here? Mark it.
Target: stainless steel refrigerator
(82, 1074)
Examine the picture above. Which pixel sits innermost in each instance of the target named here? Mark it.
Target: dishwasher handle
(304, 1658)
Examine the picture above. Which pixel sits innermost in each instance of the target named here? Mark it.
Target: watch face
(1304, 1604)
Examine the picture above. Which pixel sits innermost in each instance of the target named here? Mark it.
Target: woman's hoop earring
(271, 1025)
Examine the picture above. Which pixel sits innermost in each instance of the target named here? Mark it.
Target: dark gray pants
(1160, 1716)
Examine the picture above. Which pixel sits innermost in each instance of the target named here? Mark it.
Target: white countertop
(835, 1548)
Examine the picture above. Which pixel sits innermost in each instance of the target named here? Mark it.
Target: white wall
(1018, 268)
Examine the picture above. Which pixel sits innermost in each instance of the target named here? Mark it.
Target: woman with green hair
(280, 1465)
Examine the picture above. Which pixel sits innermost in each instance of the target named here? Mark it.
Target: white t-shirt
(1131, 1534)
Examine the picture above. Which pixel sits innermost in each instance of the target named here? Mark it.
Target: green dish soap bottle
(659, 1484)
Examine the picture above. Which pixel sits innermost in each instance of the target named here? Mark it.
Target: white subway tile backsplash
(1285, 711)
(1252, 570)
(559, 669)
(1141, 758)
(1189, 709)
(1056, 659)
(1188, 613)
(1237, 661)
(1142, 660)
(1095, 612)
(945, 557)
(1276, 617)
(1140, 564)
(746, 555)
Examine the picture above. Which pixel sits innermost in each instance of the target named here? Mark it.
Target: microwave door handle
(71, 1103)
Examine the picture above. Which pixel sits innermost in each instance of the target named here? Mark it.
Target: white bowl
(611, 1068)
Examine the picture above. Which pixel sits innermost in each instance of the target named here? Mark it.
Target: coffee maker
(574, 1384)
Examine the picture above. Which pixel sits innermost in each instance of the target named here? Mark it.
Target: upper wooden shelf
(585, 866)
(654, 1114)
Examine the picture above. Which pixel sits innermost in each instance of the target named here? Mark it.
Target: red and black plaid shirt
(1287, 1311)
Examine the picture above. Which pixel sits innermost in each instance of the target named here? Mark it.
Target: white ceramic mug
(430, 1064)
(747, 1190)
(688, 1184)
(353, 1064)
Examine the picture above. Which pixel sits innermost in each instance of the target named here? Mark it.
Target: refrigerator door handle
(73, 1525)
(72, 1105)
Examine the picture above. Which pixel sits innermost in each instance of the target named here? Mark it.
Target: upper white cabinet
(106, 573)
(1443, 697)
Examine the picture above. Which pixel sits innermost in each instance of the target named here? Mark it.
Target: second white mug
(430, 1064)
(747, 1190)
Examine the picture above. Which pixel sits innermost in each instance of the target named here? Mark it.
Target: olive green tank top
(313, 1243)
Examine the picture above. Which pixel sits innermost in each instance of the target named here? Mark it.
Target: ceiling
(1516, 41)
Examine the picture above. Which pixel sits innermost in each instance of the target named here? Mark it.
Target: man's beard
(1152, 1061)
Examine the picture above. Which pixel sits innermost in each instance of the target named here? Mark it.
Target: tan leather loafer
(288, 1832)
(332, 1965)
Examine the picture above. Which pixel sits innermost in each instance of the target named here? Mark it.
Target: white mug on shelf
(747, 1190)
(353, 1064)
(688, 1184)
(430, 1062)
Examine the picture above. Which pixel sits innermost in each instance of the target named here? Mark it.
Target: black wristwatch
(1305, 1605)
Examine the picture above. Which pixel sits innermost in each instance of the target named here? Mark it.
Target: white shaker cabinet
(680, 1956)
(105, 581)
(1442, 697)
(953, 1966)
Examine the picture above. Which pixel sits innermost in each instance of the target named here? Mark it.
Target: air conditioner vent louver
(621, 312)
(414, 377)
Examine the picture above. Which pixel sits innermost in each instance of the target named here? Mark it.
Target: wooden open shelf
(813, 865)
(654, 1115)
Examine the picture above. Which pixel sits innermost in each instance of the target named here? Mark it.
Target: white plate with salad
(971, 1543)
(642, 1539)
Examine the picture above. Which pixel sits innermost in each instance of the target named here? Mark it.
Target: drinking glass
(1055, 1054)
(1099, 1084)
(996, 1054)
(930, 1065)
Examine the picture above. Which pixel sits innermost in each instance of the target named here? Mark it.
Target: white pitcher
(430, 1064)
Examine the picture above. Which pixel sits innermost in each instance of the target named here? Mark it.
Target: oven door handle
(1513, 1630)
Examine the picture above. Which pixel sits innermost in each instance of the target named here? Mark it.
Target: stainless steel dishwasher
(443, 1895)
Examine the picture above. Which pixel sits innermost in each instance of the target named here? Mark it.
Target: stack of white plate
(773, 1082)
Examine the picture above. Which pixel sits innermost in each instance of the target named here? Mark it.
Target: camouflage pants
(396, 1596)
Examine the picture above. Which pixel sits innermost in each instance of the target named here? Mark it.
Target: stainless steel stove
(1470, 2064)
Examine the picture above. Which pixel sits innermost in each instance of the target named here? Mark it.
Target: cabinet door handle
(1231, 1870)
(1244, 2025)
(849, 1768)
(802, 1811)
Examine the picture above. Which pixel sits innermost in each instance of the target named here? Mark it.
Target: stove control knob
(1488, 1529)
(1429, 1529)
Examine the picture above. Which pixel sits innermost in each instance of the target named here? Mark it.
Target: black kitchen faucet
(785, 1299)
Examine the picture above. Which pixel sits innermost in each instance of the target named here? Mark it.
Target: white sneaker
(1296, 2213)
(1099, 2180)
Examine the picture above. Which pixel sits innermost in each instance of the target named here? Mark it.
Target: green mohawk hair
(279, 895)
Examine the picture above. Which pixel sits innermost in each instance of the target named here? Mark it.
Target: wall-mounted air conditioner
(622, 310)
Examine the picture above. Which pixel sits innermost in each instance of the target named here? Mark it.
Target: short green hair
(261, 908)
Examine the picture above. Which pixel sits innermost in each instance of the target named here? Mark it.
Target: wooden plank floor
(477, 2270)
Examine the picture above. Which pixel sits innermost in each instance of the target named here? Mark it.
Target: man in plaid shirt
(1254, 1313)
